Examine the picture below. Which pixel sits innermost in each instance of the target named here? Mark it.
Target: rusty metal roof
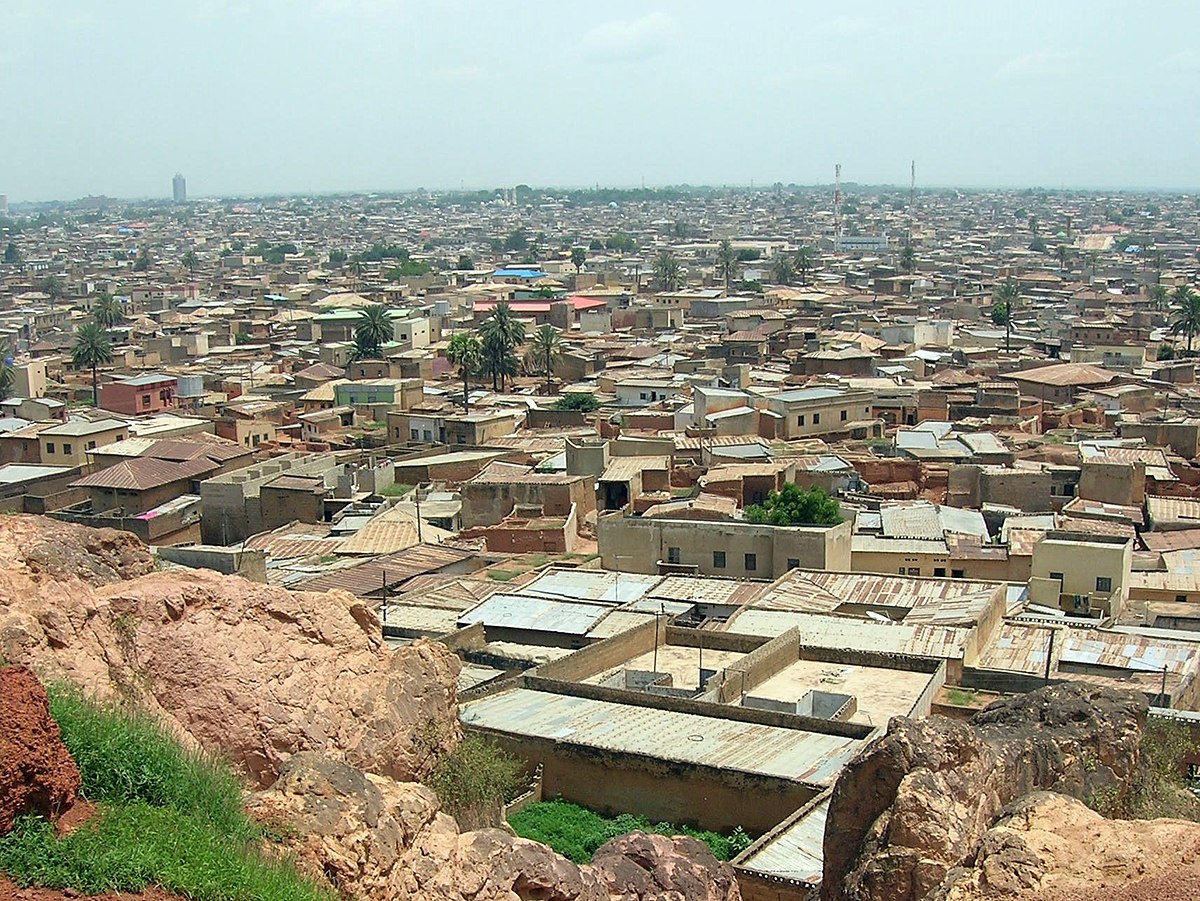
(391, 570)
(809, 757)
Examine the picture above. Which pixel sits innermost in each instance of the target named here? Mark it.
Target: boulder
(640, 866)
(917, 802)
(37, 774)
(253, 672)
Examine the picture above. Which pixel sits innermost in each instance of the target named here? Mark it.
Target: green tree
(373, 330)
(475, 779)
(782, 270)
(1158, 296)
(1006, 296)
(465, 263)
(52, 286)
(337, 257)
(465, 352)
(908, 258)
(578, 401)
(622, 243)
(804, 263)
(91, 350)
(502, 334)
(107, 311)
(355, 270)
(1064, 253)
(7, 377)
(142, 263)
(578, 258)
(190, 262)
(727, 263)
(12, 255)
(667, 271)
(794, 506)
(1187, 313)
(547, 347)
(516, 241)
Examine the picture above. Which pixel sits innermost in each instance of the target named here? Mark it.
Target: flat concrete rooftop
(881, 693)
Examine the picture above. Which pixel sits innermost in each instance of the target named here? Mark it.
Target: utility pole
(1049, 656)
(417, 496)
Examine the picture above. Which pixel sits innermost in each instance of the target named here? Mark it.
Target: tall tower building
(179, 188)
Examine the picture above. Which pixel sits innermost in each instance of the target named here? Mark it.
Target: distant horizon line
(753, 186)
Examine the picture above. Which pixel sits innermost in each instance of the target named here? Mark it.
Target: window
(958, 573)
(816, 419)
(414, 434)
(900, 570)
(751, 562)
(718, 559)
(799, 420)
(793, 563)
(939, 572)
(642, 396)
(427, 435)
(914, 570)
(49, 447)
(67, 448)
(397, 433)
(844, 415)
(91, 445)
(1181, 599)
(462, 439)
(1058, 576)
(145, 400)
(672, 555)
(1103, 583)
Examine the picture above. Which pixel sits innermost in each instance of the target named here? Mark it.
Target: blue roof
(518, 273)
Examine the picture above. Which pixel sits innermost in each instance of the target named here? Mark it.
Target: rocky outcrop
(37, 774)
(254, 672)
(658, 866)
(918, 802)
(1053, 848)
(376, 838)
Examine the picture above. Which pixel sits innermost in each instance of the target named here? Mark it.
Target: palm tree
(374, 329)
(7, 378)
(1006, 297)
(804, 263)
(191, 261)
(1158, 296)
(52, 286)
(908, 258)
(667, 271)
(502, 334)
(91, 349)
(578, 258)
(727, 262)
(355, 271)
(1187, 317)
(504, 323)
(547, 347)
(499, 361)
(782, 270)
(1094, 258)
(107, 311)
(1064, 252)
(466, 353)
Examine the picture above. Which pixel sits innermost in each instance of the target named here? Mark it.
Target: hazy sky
(257, 96)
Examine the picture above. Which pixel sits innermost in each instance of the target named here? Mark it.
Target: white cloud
(639, 38)
(1042, 64)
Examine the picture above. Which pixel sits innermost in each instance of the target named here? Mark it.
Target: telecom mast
(912, 200)
(837, 206)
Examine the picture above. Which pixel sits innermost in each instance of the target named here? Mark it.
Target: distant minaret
(179, 188)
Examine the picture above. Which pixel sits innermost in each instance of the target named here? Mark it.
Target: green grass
(960, 697)
(124, 755)
(502, 575)
(166, 817)
(576, 832)
(396, 489)
(131, 846)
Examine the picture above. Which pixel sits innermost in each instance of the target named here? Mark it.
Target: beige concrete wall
(639, 544)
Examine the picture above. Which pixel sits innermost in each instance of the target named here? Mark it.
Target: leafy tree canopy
(795, 506)
(577, 400)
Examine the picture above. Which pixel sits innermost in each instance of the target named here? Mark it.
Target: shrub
(475, 779)
(793, 506)
(577, 832)
(1157, 787)
(577, 400)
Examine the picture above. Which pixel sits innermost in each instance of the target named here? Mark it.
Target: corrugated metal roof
(839, 632)
(144, 473)
(707, 590)
(622, 469)
(534, 614)
(798, 852)
(369, 577)
(599, 586)
(809, 757)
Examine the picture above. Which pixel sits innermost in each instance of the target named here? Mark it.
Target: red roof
(543, 306)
